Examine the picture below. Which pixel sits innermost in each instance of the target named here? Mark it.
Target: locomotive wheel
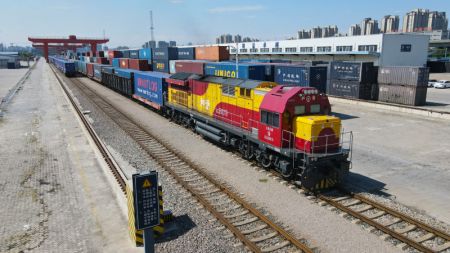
(265, 162)
(288, 175)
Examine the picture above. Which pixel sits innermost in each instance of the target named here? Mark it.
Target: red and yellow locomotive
(285, 128)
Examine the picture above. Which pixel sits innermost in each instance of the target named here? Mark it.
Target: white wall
(392, 56)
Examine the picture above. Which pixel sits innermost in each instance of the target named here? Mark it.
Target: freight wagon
(65, 66)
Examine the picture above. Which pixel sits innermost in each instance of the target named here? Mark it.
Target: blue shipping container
(134, 54)
(145, 53)
(161, 66)
(125, 54)
(306, 76)
(109, 70)
(168, 53)
(226, 69)
(116, 62)
(186, 53)
(125, 73)
(151, 86)
(98, 68)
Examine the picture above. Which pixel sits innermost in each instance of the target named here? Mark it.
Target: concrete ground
(54, 193)
(438, 99)
(405, 155)
(9, 78)
(321, 227)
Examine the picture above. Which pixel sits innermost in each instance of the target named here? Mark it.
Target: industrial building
(395, 49)
(9, 60)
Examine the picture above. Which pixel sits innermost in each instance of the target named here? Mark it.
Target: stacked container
(403, 85)
(195, 67)
(353, 80)
(228, 69)
(212, 53)
(297, 75)
(138, 64)
(161, 58)
(186, 53)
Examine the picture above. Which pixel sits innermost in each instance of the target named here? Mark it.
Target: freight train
(285, 128)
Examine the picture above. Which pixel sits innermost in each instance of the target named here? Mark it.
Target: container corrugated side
(145, 53)
(352, 89)
(161, 66)
(195, 67)
(415, 76)
(364, 72)
(403, 94)
(186, 53)
(168, 53)
(212, 53)
(246, 71)
(134, 54)
(306, 76)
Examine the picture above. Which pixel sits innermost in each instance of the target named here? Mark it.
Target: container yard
(323, 140)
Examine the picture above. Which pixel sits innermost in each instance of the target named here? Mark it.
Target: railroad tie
(405, 229)
(276, 246)
(425, 237)
(392, 222)
(253, 230)
(442, 247)
(264, 237)
(341, 198)
(352, 203)
(376, 215)
(245, 222)
(368, 207)
(236, 215)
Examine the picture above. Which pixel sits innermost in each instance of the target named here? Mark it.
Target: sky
(127, 22)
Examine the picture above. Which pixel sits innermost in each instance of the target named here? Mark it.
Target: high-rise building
(162, 44)
(369, 26)
(390, 24)
(329, 31)
(172, 43)
(2, 48)
(218, 40)
(237, 38)
(304, 34)
(354, 30)
(316, 32)
(437, 21)
(416, 20)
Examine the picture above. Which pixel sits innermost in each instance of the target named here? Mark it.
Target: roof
(185, 76)
(276, 99)
(152, 74)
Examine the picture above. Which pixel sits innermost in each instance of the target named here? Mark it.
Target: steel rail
(141, 131)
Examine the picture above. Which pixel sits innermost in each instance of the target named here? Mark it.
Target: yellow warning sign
(146, 184)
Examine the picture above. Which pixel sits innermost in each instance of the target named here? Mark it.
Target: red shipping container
(90, 69)
(212, 53)
(114, 54)
(102, 60)
(190, 67)
(138, 64)
(124, 63)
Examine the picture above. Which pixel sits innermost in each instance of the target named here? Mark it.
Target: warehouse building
(9, 60)
(383, 49)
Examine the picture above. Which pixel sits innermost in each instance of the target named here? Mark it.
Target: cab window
(299, 109)
(315, 108)
(270, 118)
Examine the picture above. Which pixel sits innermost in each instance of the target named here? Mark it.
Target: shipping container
(161, 66)
(227, 69)
(167, 53)
(307, 76)
(116, 62)
(352, 89)
(90, 69)
(100, 54)
(125, 54)
(138, 64)
(403, 94)
(98, 68)
(124, 81)
(123, 63)
(186, 53)
(145, 53)
(134, 54)
(195, 67)
(114, 54)
(415, 76)
(108, 69)
(126, 73)
(363, 72)
(102, 60)
(212, 53)
(150, 87)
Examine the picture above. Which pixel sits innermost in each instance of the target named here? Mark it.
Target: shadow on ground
(176, 228)
(343, 116)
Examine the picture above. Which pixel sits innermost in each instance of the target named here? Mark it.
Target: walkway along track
(254, 229)
(372, 213)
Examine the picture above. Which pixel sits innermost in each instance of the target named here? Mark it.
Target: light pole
(237, 59)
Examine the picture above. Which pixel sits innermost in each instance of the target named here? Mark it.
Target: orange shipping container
(212, 53)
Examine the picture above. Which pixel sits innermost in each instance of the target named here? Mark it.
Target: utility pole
(152, 35)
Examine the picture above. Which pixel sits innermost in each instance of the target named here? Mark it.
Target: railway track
(409, 231)
(254, 229)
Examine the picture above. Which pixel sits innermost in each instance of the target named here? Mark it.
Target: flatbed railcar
(284, 128)
(65, 66)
